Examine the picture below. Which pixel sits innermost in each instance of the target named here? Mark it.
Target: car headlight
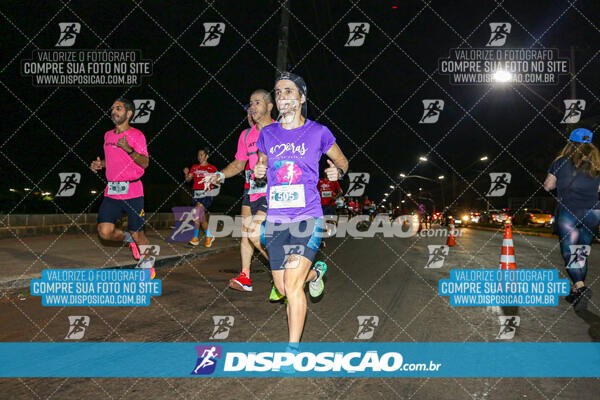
(465, 217)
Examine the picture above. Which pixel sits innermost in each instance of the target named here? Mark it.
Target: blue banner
(511, 287)
(222, 359)
(96, 287)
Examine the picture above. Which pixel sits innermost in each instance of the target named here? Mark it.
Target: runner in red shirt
(365, 205)
(203, 195)
(329, 192)
(356, 206)
(350, 206)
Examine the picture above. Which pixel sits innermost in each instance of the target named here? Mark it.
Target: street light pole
(282, 45)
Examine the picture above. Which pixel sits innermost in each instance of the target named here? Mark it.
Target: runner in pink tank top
(125, 159)
(254, 205)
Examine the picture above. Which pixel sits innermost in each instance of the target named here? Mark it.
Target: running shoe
(134, 250)
(584, 294)
(195, 241)
(209, 241)
(316, 287)
(275, 295)
(241, 283)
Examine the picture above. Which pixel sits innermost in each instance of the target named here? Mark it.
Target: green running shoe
(275, 295)
(316, 287)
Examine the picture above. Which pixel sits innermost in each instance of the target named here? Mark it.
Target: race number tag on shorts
(118, 188)
(253, 188)
(256, 189)
(199, 194)
(327, 194)
(287, 196)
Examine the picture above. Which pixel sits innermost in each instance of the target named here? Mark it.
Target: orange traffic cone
(507, 256)
(451, 234)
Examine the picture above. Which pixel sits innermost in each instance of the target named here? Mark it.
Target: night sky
(369, 96)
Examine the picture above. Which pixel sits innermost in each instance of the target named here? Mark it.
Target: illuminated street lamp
(502, 76)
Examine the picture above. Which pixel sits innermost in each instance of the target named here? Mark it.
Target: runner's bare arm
(138, 158)
(337, 161)
(187, 174)
(234, 168)
(550, 182)
(260, 169)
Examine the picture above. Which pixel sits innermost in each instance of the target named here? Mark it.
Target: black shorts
(259, 204)
(205, 201)
(112, 209)
(328, 209)
(246, 198)
(284, 239)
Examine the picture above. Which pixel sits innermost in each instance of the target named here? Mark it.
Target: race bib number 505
(287, 196)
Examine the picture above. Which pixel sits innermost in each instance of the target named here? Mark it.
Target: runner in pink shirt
(125, 159)
(254, 204)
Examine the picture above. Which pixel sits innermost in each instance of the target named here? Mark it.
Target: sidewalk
(22, 259)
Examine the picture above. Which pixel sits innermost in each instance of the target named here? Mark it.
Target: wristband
(222, 176)
(341, 172)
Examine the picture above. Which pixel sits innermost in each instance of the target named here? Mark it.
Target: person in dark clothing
(575, 174)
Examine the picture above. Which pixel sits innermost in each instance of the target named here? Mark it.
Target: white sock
(128, 238)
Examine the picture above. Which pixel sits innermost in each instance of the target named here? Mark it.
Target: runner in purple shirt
(289, 154)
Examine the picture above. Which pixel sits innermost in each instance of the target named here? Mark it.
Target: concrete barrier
(18, 225)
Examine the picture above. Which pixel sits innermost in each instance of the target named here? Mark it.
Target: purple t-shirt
(293, 161)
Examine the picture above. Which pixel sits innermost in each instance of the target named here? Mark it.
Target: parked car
(459, 216)
(495, 216)
(474, 217)
(532, 216)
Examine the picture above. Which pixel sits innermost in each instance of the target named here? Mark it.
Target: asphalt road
(382, 277)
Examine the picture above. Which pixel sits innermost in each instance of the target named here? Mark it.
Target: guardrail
(18, 225)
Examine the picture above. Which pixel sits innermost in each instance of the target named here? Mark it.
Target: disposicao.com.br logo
(370, 361)
(317, 363)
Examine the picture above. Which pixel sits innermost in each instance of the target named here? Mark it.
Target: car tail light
(530, 215)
